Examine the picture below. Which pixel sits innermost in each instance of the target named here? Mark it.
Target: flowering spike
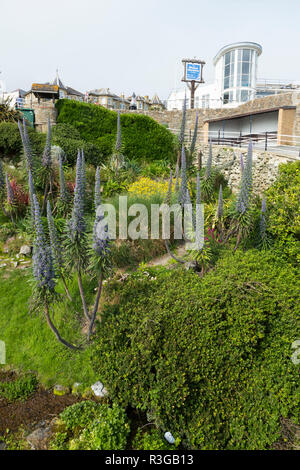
(46, 159)
(183, 187)
(100, 234)
(198, 196)
(83, 173)
(31, 193)
(97, 198)
(119, 134)
(9, 190)
(43, 270)
(54, 241)
(220, 204)
(242, 203)
(177, 178)
(63, 192)
(2, 179)
(209, 162)
(263, 205)
(182, 129)
(169, 192)
(77, 223)
(194, 139)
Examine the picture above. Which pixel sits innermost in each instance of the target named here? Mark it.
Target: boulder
(25, 250)
(39, 438)
(99, 389)
(60, 390)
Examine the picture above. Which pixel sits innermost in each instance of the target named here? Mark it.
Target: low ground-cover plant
(207, 358)
(21, 388)
(92, 426)
(153, 439)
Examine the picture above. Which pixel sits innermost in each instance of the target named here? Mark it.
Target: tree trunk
(55, 331)
(85, 309)
(96, 305)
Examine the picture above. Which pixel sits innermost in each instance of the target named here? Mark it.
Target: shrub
(94, 426)
(11, 144)
(153, 440)
(209, 359)
(143, 137)
(283, 208)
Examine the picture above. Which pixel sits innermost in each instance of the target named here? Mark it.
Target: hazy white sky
(137, 45)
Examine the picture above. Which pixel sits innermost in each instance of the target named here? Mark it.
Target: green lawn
(30, 344)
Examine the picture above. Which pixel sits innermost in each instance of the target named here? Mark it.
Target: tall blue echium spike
(101, 238)
(77, 223)
(183, 186)
(46, 159)
(169, 192)
(63, 192)
(198, 196)
(43, 270)
(83, 173)
(183, 120)
(26, 145)
(9, 191)
(97, 198)
(118, 145)
(54, 241)
(262, 223)
(177, 178)
(220, 204)
(209, 162)
(31, 193)
(194, 139)
(243, 198)
(2, 179)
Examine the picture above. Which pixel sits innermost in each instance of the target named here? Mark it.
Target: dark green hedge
(11, 144)
(208, 359)
(143, 138)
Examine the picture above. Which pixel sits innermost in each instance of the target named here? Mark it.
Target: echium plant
(76, 235)
(47, 158)
(47, 170)
(100, 255)
(264, 239)
(31, 194)
(56, 249)
(183, 185)
(183, 122)
(2, 186)
(242, 213)
(43, 272)
(207, 182)
(63, 203)
(194, 139)
(31, 161)
(117, 158)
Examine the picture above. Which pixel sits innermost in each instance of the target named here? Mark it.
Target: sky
(138, 45)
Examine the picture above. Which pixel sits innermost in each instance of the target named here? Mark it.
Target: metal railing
(271, 141)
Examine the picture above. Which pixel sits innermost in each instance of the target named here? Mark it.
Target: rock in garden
(99, 389)
(25, 250)
(60, 390)
(39, 438)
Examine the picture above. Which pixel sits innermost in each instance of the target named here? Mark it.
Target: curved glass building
(236, 67)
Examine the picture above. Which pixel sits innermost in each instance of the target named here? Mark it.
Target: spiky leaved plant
(47, 168)
(56, 249)
(32, 162)
(31, 191)
(242, 212)
(47, 158)
(242, 163)
(191, 152)
(100, 255)
(64, 200)
(177, 179)
(2, 187)
(43, 272)
(76, 236)
(264, 238)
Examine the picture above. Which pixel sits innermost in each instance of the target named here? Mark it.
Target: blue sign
(193, 71)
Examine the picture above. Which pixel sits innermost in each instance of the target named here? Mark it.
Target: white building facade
(235, 79)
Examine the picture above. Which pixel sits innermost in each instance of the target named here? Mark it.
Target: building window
(205, 101)
(103, 100)
(109, 100)
(244, 67)
(229, 65)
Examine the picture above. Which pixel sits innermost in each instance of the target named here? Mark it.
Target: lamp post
(193, 75)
